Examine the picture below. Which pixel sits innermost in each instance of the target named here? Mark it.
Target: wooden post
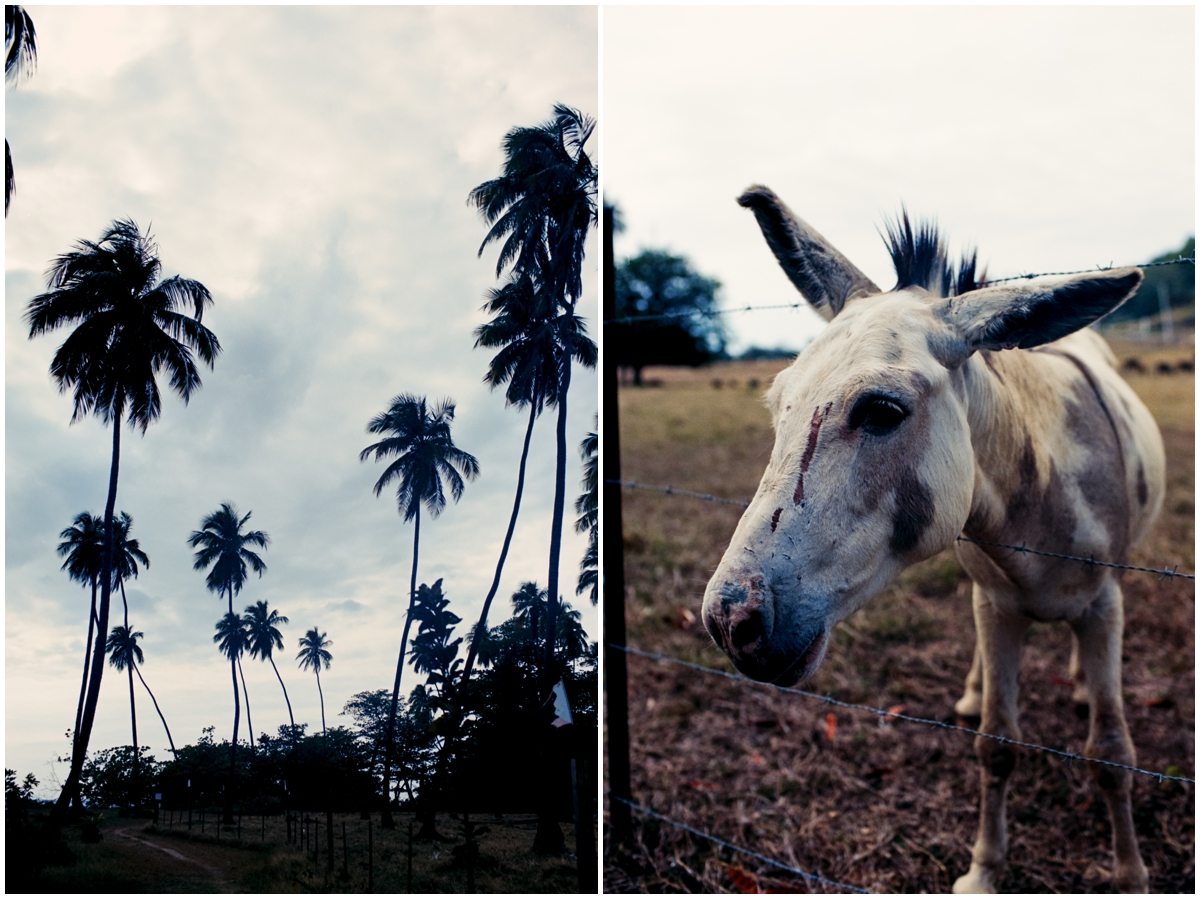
(409, 882)
(469, 830)
(317, 840)
(239, 825)
(616, 690)
(345, 855)
(370, 856)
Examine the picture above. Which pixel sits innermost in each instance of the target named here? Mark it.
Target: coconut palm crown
(223, 545)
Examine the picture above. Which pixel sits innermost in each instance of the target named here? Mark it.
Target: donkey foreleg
(1079, 695)
(972, 699)
(1098, 635)
(999, 643)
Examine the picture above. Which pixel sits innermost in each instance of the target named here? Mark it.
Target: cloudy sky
(311, 167)
(1051, 138)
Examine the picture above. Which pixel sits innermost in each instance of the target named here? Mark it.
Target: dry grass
(888, 809)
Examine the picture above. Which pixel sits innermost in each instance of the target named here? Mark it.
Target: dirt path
(147, 853)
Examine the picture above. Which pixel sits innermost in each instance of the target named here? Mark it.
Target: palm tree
(588, 507)
(232, 640)
(264, 638)
(123, 650)
(130, 328)
(83, 545)
(126, 555)
(420, 440)
(20, 59)
(542, 207)
(223, 545)
(313, 654)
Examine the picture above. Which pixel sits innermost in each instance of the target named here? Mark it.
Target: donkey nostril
(748, 631)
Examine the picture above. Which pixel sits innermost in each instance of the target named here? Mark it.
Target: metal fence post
(616, 691)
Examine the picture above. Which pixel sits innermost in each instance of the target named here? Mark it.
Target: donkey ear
(1030, 314)
(827, 279)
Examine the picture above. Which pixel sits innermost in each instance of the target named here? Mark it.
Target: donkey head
(872, 469)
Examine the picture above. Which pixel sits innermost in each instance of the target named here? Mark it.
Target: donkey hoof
(1131, 878)
(970, 706)
(977, 880)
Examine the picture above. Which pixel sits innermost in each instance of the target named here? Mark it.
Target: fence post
(616, 692)
(345, 855)
(409, 883)
(370, 856)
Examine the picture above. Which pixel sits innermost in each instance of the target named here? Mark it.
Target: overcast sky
(311, 167)
(1050, 138)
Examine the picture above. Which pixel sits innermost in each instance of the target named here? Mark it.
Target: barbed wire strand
(709, 313)
(708, 836)
(1162, 572)
(884, 713)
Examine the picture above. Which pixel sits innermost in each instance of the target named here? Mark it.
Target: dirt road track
(148, 853)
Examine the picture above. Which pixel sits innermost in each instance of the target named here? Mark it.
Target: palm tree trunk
(237, 715)
(385, 819)
(79, 749)
(549, 837)
(285, 695)
(157, 709)
(87, 659)
(249, 720)
(512, 524)
(321, 693)
(137, 793)
(549, 676)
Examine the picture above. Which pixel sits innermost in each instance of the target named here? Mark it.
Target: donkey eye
(877, 414)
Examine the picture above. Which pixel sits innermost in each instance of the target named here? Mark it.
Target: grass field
(137, 856)
(887, 809)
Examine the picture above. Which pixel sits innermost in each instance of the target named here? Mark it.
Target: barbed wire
(1162, 572)
(886, 714)
(710, 313)
(708, 836)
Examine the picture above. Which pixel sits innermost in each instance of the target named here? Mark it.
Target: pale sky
(1050, 138)
(311, 166)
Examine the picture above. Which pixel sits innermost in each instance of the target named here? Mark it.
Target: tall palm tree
(20, 59)
(130, 328)
(542, 206)
(123, 652)
(528, 361)
(224, 545)
(122, 647)
(313, 654)
(232, 641)
(588, 507)
(420, 440)
(264, 638)
(83, 545)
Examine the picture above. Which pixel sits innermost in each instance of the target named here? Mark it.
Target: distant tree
(657, 283)
(130, 327)
(124, 652)
(588, 507)
(223, 544)
(420, 439)
(1174, 283)
(313, 654)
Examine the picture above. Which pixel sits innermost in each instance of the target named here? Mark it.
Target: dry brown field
(885, 809)
(136, 856)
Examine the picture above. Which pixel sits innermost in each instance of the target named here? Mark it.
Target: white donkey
(934, 410)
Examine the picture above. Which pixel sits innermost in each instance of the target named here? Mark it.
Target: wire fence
(750, 852)
(801, 304)
(1090, 560)
(888, 715)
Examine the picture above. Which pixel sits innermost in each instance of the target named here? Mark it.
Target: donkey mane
(920, 260)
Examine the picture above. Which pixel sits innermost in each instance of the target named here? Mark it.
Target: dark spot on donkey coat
(914, 512)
